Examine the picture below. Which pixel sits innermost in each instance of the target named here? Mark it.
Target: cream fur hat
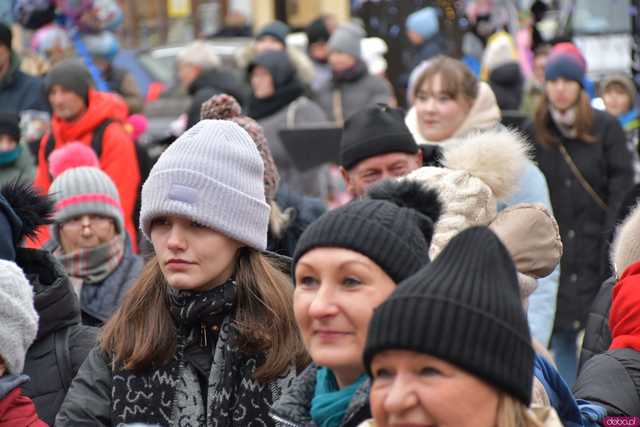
(477, 172)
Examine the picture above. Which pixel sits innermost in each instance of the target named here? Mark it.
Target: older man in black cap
(376, 144)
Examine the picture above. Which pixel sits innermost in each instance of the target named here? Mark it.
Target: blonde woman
(472, 365)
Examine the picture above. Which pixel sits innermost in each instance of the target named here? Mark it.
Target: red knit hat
(624, 316)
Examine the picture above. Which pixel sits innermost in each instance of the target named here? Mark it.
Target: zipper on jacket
(281, 420)
(203, 335)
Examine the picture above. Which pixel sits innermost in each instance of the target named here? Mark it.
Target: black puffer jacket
(585, 226)
(612, 380)
(597, 335)
(209, 83)
(62, 342)
(294, 407)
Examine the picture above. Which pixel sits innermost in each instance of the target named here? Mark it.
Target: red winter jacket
(17, 410)
(118, 159)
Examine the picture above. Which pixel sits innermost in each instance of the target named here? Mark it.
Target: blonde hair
(513, 413)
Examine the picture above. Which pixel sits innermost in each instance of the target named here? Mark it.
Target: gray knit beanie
(72, 75)
(212, 174)
(346, 39)
(84, 191)
(18, 317)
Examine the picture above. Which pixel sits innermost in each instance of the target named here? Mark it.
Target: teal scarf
(9, 157)
(329, 404)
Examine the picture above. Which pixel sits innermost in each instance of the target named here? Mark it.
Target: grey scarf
(170, 395)
(95, 264)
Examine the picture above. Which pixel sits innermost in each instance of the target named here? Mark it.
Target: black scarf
(352, 74)
(260, 108)
(171, 392)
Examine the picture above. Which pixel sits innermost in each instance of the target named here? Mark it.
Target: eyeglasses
(94, 221)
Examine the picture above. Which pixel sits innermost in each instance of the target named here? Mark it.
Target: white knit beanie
(477, 172)
(212, 174)
(18, 317)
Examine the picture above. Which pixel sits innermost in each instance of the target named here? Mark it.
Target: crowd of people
(469, 260)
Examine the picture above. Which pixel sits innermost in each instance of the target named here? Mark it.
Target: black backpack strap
(98, 136)
(63, 357)
(50, 146)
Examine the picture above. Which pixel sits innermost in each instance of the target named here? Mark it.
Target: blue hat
(566, 61)
(424, 22)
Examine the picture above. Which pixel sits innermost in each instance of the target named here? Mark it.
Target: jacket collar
(293, 409)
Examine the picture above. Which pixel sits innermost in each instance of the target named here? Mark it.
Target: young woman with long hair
(588, 167)
(206, 336)
(451, 106)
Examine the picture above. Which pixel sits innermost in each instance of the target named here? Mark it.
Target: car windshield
(598, 16)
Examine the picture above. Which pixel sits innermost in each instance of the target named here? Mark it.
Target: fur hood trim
(625, 249)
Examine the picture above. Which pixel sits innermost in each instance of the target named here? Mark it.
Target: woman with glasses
(88, 237)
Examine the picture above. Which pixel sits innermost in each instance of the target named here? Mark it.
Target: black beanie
(277, 29)
(317, 31)
(72, 75)
(23, 210)
(5, 35)
(10, 125)
(393, 227)
(463, 308)
(372, 132)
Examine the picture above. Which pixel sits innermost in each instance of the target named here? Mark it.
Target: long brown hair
(141, 333)
(584, 120)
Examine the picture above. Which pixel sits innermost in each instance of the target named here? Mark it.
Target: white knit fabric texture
(212, 174)
(18, 317)
(466, 200)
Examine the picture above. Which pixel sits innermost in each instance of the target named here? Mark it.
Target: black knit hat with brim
(375, 131)
(393, 227)
(463, 308)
